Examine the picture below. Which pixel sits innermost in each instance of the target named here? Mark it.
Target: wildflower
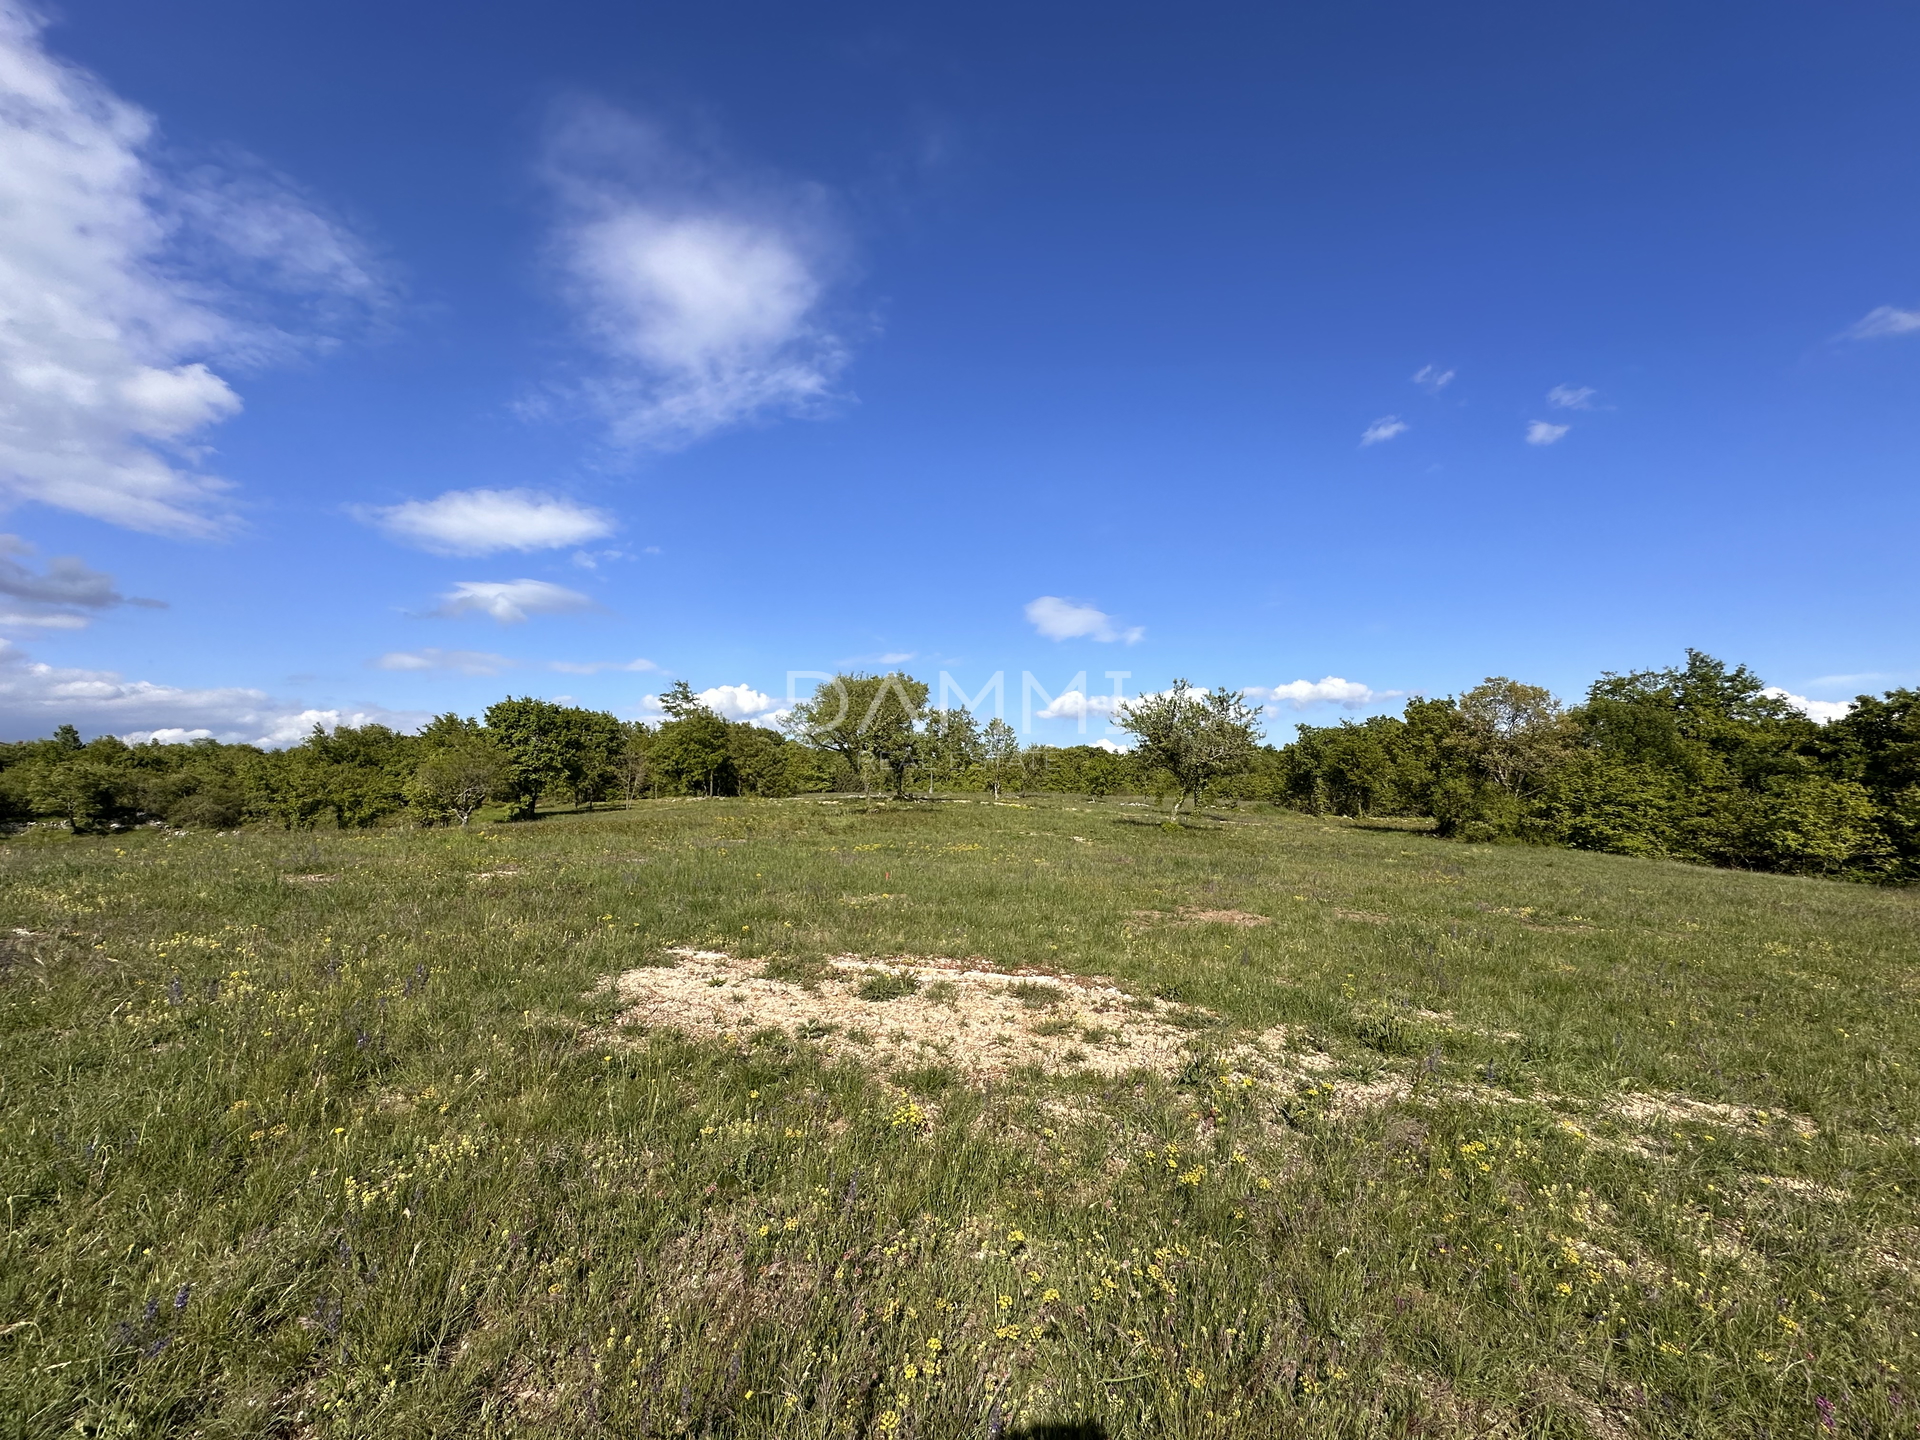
(1049, 1297)
(792, 1223)
(1194, 1176)
(1006, 1302)
(1016, 1237)
(1820, 1402)
(1196, 1377)
(933, 1344)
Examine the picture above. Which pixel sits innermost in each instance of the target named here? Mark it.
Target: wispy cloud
(1571, 397)
(1540, 432)
(1061, 619)
(594, 667)
(125, 280)
(1865, 677)
(1882, 322)
(1332, 690)
(486, 522)
(463, 662)
(704, 293)
(1432, 379)
(36, 697)
(1825, 711)
(1383, 429)
(512, 601)
(59, 596)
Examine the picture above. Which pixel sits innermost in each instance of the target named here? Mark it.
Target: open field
(1320, 1130)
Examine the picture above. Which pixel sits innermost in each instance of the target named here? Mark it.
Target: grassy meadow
(339, 1134)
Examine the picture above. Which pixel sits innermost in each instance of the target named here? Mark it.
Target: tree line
(1694, 763)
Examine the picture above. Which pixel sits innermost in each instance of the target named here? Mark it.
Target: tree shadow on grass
(1060, 1430)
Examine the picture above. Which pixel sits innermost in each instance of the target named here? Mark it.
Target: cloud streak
(123, 281)
(703, 295)
(1883, 322)
(486, 522)
(1541, 432)
(1057, 618)
(1331, 690)
(512, 602)
(1383, 430)
(461, 662)
(36, 697)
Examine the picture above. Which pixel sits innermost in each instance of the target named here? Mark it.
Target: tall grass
(335, 1135)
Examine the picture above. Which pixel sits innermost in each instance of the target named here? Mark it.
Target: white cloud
(1883, 321)
(36, 697)
(1539, 432)
(1060, 619)
(1570, 397)
(738, 702)
(1112, 747)
(1385, 428)
(1300, 694)
(464, 662)
(1074, 706)
(485, 522)
(704, 294)
(735, 702)
(1825, 711)
(42, 620)
(512, 601)
(120, 280)
(1432, 378)
(594, 667)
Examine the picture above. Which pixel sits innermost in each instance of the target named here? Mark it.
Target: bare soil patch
(909, 1014)
(1679, 1110)
(1194, 915)
(921, 1012)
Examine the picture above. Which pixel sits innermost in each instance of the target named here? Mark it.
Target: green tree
(862, 717)
(538, 740)
(1195, 736)
(999, 749)
(462, 767)
(952, 746)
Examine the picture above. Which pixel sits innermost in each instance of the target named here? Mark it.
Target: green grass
(330, 1135)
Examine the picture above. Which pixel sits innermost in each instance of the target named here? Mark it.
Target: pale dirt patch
(1195, 915)
(1444, 1018)
(1366, 917)
(976, 1024)
(1805, 1189)
(1679, 1110)
(493, 874)
(309, 879)
(981, 1023)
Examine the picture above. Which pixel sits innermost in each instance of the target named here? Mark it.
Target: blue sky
(408, 356)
